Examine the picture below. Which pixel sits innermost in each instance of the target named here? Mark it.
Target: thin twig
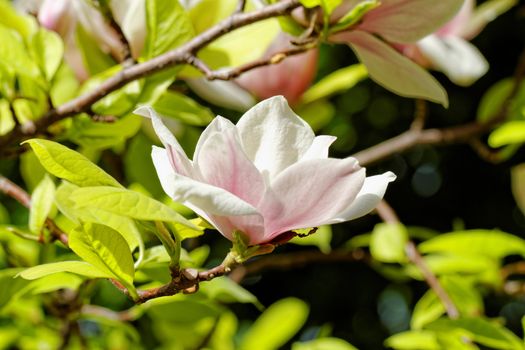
(240, 6)
(386, 212)
(169, 59)
(415, 257)
(286, 261)
(231, 73)
(455, 134)
(420, 115)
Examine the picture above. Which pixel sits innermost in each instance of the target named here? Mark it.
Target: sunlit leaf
(126, 203)
(264, 335)
(324, 344)
(105, 249)
(388, 243)
(78, 267)
(70, 165)
(41, 204)
(490, 243)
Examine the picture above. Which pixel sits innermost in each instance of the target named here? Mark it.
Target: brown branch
(386, 212)
(169, 59)
(415, 257)
(462, 133)
(293, 260)
(240, 6)
(14, 191)
(186, 282)
(231, 73)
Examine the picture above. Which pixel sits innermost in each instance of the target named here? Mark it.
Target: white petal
(458, 59)
(368, 197)
(178, 158)
(273, 136)
(218, 124)
(210, 199)
(319, 148)
(222, 93)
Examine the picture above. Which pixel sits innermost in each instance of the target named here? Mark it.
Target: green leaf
(124, 225)
(64, 86)
(15, 55)
(31, 170)
(95, 60)
(317, 114)
(70, 165)
(493, 100)
(126, 203)
(54, 282)
(180, 107)
(42, 201)
(181, 311)
(138, 165)
(264, 333)
(168, 26)
(413, 340)
(508, 133)
(388, 242)
(327, 5)
(25, 25)
(225, 290)
(78, 267)
(7, 123)
(481, 331)
(453, 264)
(490, 243)
(11, 287)
(105, 249)
(320, 238)
(324, 344)
(517, 176)
(336, 82)
(428, 309)
(184, 231)
(98, 136)
(354, 15)
(48, 50)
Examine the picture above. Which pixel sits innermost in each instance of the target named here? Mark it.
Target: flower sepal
(242, 251)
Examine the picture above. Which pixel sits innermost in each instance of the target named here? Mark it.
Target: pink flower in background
(448, 51)
(64, 17)
(290, 78)
(392, 23)
(265, 176)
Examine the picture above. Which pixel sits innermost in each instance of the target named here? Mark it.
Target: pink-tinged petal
(310, 193)
(273, 136)
(392, 70)
(195, 194)
(367, 199)
(460, 20)
(222, 93)
(461, 61)
(319, 147)
(55, 15)
(223, 163)
(289, 78)
(406, 21)
(218, 124)
(177, 157)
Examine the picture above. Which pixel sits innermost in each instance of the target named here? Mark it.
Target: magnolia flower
(396, 22)
(290, 78)
(447, 50)
(64, 17)
(265, 176)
